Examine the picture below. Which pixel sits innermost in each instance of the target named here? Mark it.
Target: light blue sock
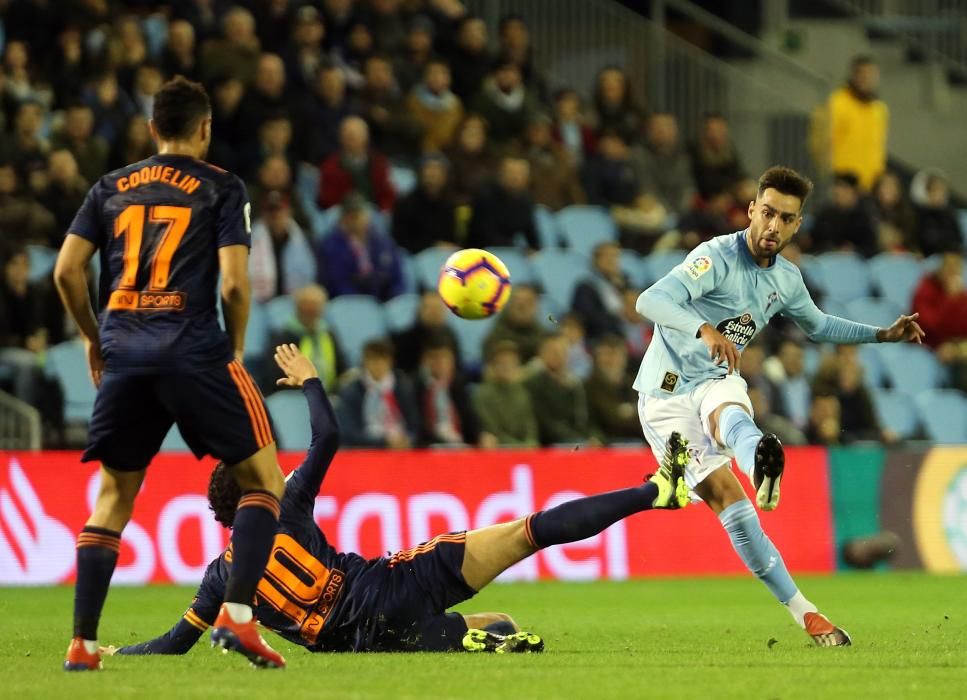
(756, 550)
(741, 435)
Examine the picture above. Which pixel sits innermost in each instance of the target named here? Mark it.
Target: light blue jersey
(719, 283)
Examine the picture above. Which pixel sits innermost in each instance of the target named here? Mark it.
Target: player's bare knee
(260, 472)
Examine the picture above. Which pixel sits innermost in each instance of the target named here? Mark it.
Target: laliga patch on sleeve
(698, 267)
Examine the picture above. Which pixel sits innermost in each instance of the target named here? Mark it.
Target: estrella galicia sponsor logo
(739, 330)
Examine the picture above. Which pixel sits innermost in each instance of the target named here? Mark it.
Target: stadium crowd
(369, 132)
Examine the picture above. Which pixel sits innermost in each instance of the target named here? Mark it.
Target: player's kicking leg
(762, 458)
(489, 551)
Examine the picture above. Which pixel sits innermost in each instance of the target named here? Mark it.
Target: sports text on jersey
(159, 173)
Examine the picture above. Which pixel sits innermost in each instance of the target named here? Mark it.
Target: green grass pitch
(674, 638)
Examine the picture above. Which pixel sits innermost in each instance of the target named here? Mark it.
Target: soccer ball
(474, 283)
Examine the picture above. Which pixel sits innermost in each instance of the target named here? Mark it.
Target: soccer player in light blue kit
(693, 402)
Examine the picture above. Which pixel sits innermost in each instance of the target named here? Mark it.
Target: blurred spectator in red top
(615, 107)
(180, 55)
(469, 59)
(448, 417)
(355, 167)
(570, 128)
(715, 160)
(941, 301)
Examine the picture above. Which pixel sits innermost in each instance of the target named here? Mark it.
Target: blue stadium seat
(355, 319)
(895, 411)
(410, 282)
(896, 277)
(559, 272)
(657, 265)
(155, 28)
(634, 268)
(833, 307)
(471, 335)
(290, 418)
(278, 311)
(173, 441)
(516, 262)
(812, 272)
(403, 179)
(873, 373)
(943, 413)
(428, 263)
(307, 186)
(583, 227)
(42, 261)
(548, 231)
(845, 276)
(401, 312)
(256, 332)
(962, 219)
(910, 368)
(876, 312)
(67, 362)
(325, 221)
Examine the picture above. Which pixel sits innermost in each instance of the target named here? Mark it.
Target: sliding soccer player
(327, 600)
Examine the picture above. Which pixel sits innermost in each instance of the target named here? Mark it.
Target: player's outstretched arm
(178, 640)
(300, 372)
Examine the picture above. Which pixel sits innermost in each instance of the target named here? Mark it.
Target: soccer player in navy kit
(165, 228)
(327, 600)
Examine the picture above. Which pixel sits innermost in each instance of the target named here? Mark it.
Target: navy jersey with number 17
(158, 225)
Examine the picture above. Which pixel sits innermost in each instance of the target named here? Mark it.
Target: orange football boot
(245, 639)
(824, 632)
(80, 659)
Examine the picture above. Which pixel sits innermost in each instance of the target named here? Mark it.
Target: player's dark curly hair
(223, 494)
(787, 181)
(178, 107)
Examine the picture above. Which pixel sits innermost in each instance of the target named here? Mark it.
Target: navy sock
(586, 517)
(97, 555)
(253, 533)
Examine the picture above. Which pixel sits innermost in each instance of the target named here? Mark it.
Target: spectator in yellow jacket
(434, 105)
(858, 123)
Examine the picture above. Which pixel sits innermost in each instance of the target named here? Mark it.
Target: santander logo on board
(34, 547)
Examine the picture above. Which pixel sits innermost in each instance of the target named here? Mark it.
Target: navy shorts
(419, 585)
(220, 412)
